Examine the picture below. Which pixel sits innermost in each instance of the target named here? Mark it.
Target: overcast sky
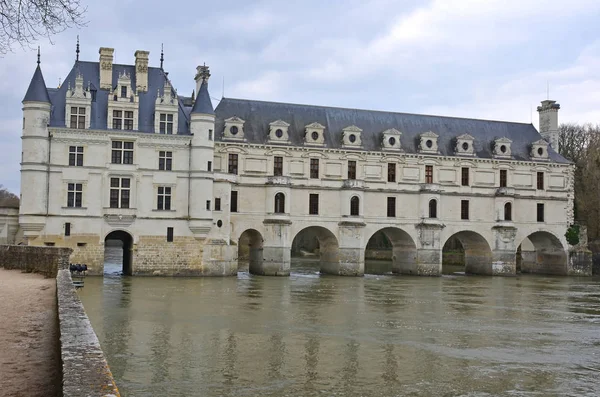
(486, 59)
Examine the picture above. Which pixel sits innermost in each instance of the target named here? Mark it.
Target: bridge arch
(542, 252)
(390, 249)
(112, 242)
(317, 242)
(472, 251)
(250, 251)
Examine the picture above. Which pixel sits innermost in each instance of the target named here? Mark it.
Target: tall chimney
(549, 122)
(141, 70)
(106, 64)
(202, 73)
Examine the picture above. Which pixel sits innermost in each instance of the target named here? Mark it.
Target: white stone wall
(9, 225)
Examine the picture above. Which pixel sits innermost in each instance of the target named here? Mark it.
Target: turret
(549, 122)
(35, 156)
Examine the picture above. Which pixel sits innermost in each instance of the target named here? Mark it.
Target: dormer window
(234, 128)
(166, 111)
(123, 109)
(428, 143)
(391, 139)
(351, 137)
(78, 101)
(464, 145)
(122, 120)
(314, 134)
(502, 148)
(78, 117)
(278, 131)
(166, 123)
(123, 91)
(539, 150)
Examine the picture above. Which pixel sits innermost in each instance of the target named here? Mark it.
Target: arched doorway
(315, 246)
(469, 251)
(541, 253)
(250, 251)
(118, 253)
(390, 250)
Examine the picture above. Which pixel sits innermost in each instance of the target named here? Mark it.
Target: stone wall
(84, 367)
(594, 246)
(44, 260)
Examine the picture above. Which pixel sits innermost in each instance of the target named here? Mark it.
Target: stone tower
(549, 122)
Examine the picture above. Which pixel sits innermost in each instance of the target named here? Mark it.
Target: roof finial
(77, 50)
(204, 72)
(162, 56)
(38, 61)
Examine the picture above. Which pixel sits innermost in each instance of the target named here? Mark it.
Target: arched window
(508, 212)
(354, 206)
(432, 208)
(279, 203)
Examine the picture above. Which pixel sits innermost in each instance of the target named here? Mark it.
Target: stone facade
(248, 177)
(9, 225)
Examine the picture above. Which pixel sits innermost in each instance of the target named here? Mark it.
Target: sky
(491, 59)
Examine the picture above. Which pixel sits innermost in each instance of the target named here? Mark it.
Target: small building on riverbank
(116, 153)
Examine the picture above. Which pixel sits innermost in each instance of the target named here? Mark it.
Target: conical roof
(37, 91)
(203, 103)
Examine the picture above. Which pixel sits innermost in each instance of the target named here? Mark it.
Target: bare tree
(24, 21)
(8, 199)
(573, 139)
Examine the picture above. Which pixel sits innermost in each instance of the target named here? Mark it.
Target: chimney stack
(106, 64)
(549, 122)
(141, 70)
(202, 74)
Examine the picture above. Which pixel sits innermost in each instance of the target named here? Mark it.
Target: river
(312, 335)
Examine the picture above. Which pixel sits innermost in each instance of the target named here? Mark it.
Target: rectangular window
(351, 169)
(164, 198)
(169, 235)
(540, 212)
(67, 229)
(123, 91)
(464, 209)
(165, 160)
(217, 204)
(540, 181)
(503, 178)
(74, 195)
(210, 135)
(117, 119)
(166, 123)
(234, 201)
(208, 205)
(122, 152)
(313, 204)
(77, 117)
(391, 172)
(128, 120)
(465, 176)
(277, 166)
(209, 166)
(76, 156)
(314, 168)
(119, 192)
(233, 163)
(391, 207)
(429, 174)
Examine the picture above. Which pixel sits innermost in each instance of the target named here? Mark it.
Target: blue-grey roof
(258, 115)
(203, 103)
(37, 88)
(91, 74)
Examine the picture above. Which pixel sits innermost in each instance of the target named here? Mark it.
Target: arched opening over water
(542, 253)
(390, 250)
(315, 246)
(250, 251)
(118, 253)
(468, 252)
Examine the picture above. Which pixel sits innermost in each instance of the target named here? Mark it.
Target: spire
(162, 56)
(77, 50)
(203, 103)
(37, 91)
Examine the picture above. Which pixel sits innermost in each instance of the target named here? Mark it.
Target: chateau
(117, 153)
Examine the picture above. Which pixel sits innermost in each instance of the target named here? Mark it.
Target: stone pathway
(29, 355)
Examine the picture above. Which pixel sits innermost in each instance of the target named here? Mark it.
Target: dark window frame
(508, 211)
(170, 233)
(314, 168)
(233, 202)
(165, 160)
(217, 203)
(74, 195)
(279, 202)
(355, 206)
(464, 210)
(352, 169)
(164, 198)
(78, 117)
(464, 176)
(433, 212)
(429, 174)
(391, 172)
(120, 192)
(540, 212)
(233, 163)
(277, 166)
(503, 178)
(313, 204)
(391, 207)
(76, 156)
(540, 180)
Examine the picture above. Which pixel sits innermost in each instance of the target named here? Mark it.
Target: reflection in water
(384, 335)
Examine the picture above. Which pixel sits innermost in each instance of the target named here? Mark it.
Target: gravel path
(29, 358)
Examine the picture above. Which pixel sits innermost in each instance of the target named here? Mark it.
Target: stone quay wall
(85, 369)
(43, 260)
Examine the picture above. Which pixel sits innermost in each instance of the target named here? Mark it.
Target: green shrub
(572, 235)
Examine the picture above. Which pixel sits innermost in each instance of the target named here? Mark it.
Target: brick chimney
(141, 70)
(106, 64)
(549, 122)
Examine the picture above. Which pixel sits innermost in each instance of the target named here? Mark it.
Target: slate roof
(203, 103)
(258, 115)
(37, 88)
(91, 74)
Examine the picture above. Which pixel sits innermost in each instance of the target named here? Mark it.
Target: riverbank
(29, 338)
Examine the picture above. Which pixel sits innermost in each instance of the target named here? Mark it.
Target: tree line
(8, 199)
(580, 143)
